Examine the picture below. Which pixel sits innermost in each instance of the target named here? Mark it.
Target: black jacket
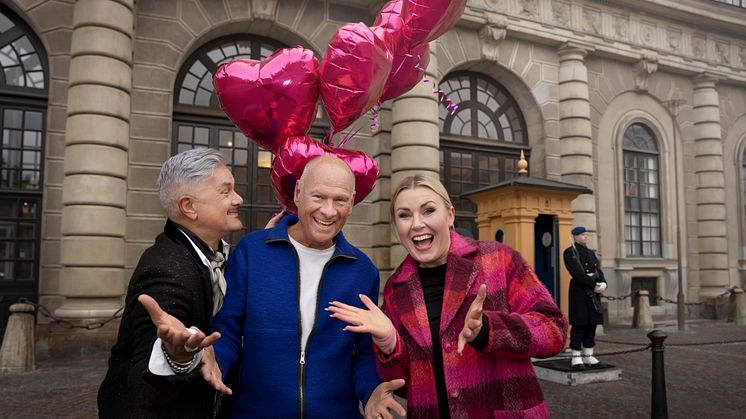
(172, 273)
(582, 309)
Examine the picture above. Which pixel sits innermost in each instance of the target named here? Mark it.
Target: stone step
(558, 371)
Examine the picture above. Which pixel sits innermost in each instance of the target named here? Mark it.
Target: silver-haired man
(182, 271)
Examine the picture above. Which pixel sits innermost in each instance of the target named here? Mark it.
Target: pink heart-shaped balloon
(353, 74)
(297, 151)
(389, 26)
(428, 19)
(272, 99)
(407, 70)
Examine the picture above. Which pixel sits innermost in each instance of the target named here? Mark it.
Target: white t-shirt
(312, 262)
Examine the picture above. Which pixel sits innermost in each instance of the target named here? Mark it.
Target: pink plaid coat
(524, 322)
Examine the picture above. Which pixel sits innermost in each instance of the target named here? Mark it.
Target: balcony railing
(738, 3)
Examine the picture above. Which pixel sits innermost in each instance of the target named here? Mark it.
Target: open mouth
(323, 223)
(422, 241)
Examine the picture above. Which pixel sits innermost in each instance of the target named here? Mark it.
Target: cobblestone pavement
(702, 381)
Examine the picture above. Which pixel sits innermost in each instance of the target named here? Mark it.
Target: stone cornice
(619, 31)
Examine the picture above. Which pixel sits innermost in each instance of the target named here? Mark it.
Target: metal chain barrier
(612, 298)
(667, 300)
(727, 292)
(670, 301)
(68, 324)
(628, 351)
(720, 342)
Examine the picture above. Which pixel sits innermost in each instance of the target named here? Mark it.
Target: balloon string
(327, 138)
(347, 138)
(442, 98)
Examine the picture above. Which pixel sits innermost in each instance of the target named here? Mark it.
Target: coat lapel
(409, 299)
(461, 273)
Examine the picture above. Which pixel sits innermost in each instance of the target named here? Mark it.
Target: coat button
(453, 393)
(448, 347)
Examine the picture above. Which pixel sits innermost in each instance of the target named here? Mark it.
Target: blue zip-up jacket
(261, 306)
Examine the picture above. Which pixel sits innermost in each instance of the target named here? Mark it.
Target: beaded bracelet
(179, 368)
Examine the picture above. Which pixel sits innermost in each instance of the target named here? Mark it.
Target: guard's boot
(589, 360)
(576, 362)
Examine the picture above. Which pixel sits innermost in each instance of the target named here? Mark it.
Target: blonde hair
(416, 181)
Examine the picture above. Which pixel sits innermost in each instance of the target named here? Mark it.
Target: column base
(58, 343)
(72, 341)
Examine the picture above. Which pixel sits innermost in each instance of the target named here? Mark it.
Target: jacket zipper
(302, 360)
(302, 357)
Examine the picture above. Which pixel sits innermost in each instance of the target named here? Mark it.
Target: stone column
(415, 136)
(94, 189)
(576, 144)
(708, 166)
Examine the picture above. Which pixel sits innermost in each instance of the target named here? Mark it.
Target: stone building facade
(643, 102)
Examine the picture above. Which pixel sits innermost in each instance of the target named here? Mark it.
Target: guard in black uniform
(586, 286)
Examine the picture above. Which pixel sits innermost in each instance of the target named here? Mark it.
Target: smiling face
(422, 222)
(215, 205)
(324, 198)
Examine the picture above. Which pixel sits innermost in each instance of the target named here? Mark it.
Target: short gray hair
(182, 170)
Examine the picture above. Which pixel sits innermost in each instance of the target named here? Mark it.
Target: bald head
(324, 196)
(324, 165)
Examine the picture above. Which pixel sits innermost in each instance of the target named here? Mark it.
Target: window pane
(642, 215)
(483, 103)
(201, 135)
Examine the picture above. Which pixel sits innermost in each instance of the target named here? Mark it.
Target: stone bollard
(19, 344)
(737, 306)
(642, 318)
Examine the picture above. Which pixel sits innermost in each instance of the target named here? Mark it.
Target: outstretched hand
(473, 322)
(210, 371)
(178, 342)
(360, 320)
(382, 402)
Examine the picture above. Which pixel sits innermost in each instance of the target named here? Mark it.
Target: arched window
(23, 104)
(481, 142)
(642, 212)
(199, 122)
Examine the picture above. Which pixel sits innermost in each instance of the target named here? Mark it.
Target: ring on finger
(190, 349)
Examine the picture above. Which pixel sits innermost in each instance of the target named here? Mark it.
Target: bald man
(295, 360)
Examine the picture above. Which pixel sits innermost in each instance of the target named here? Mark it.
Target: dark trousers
(585, 335)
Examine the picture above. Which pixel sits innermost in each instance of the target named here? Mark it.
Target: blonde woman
(461, 318)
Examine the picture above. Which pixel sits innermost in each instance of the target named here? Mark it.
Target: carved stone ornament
(647, 34)
(491, 35)
(263, 9)
(496, 5)
(698, 47)
(592, 21)
(722, 52)
(561, 13)
(673, 39)
(621, 26)
(529, 8)
(643, 70)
